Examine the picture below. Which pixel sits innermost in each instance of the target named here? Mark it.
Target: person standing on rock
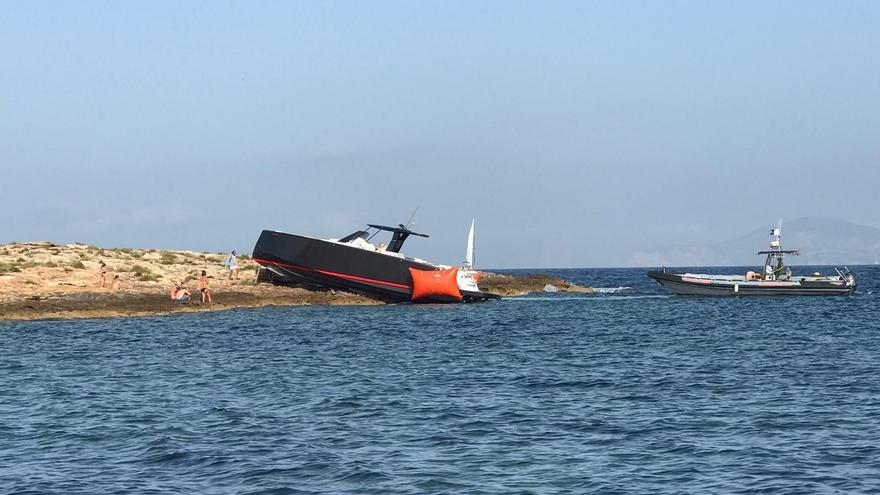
(103, 275)
(232, 264)
(203, 287)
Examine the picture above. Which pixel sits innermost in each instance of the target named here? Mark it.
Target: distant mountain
(822, 241)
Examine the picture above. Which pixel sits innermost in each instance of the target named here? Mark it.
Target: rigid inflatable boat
(774, 279)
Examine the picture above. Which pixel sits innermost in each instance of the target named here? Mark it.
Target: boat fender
(435, 285)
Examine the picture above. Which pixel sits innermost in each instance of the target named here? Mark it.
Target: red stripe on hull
(333, 274)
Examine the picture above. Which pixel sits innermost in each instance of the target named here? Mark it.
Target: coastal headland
(43, 280)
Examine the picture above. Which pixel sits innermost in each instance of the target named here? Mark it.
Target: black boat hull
(683, 285)
(332, 265)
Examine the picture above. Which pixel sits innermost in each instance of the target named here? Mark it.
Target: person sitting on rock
(180, 293)
(116, 282)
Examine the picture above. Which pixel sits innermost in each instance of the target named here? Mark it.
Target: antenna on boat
(775, 244)
(412, 218)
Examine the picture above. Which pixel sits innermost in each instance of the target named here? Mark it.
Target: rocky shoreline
(126, 304)
(521, 285)
(42, 280)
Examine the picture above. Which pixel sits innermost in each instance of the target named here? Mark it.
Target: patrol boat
(775, 279)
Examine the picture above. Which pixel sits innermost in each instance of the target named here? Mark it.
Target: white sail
(469, 258)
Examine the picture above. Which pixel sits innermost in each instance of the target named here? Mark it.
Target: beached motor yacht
(356, 264)
(775, 278)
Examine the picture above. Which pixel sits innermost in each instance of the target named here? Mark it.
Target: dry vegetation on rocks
(46, 280)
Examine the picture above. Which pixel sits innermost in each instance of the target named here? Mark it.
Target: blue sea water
(626, 391)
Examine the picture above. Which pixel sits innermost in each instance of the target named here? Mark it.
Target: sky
(575, 133)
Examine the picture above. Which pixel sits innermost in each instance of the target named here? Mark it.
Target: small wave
(610, 290)
(587, 298)
(363, 475)
(542, 298)
(643, 296)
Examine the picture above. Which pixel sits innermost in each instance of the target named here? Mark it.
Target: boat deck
(734, 285)
(741, 279)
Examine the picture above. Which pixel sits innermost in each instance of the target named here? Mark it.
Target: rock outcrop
(44, 280)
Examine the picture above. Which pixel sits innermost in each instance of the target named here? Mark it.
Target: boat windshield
(363, 238)
(363, 234)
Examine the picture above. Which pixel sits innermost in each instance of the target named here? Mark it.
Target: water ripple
(617, 392)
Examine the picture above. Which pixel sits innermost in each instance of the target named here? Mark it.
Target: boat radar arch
(399, 235)
(774, 266)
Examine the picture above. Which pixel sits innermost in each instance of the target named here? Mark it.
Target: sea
(629, 390)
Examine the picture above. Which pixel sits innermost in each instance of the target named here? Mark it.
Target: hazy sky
(576, 133)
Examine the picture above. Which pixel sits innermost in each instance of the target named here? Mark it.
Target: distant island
(822, 241)
(40, 280)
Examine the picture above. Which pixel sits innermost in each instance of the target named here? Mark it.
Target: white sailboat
(467, 276)
(469, 256)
